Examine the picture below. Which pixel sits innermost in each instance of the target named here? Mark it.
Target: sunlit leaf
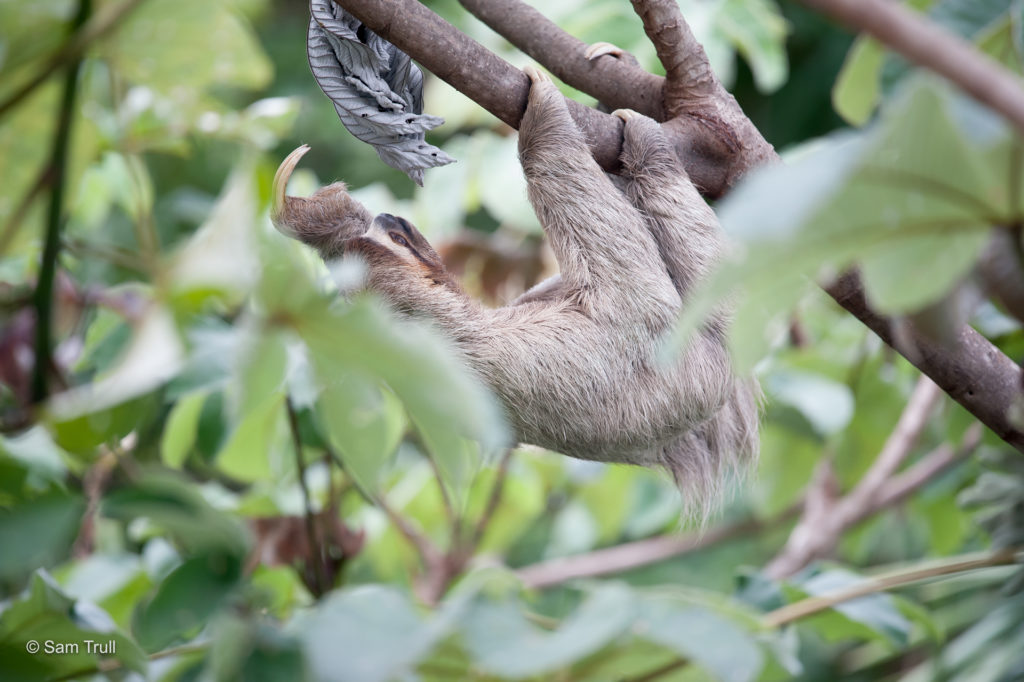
(180, 432)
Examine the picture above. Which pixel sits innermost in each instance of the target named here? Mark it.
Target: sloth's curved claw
(535, 75)
(600, 49)
(284, 172)
(626, 114)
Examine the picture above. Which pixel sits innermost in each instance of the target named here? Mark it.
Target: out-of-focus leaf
(50, 618)
(181, 47)
(221, 256)
(38, 532)
(414, 364)
(882, 198)
(177, 507)
(187, 598)
(180, 431)
(154, 355)
(245, 456)
(758, 30)
(42, 458)
(370, 633)
(876, 614)
(364, 424)
(252, 651)
(709, 640)
(827, 405)
(857, 89)
(504, 643)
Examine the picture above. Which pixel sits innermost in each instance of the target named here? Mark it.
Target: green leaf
(858, 89)
(365, 426)
(826, 405)
(151, 48)
(502, 641)
(180, 430)
(187, 598)
(709, 640)
(758, 30)
(38, 532)
(246, 455)
(50, 618)
(877, 614)
(370, 633)
(175, 505)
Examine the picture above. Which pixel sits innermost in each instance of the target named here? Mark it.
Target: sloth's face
(398, 236)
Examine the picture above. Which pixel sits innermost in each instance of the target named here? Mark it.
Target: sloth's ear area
(325, 220)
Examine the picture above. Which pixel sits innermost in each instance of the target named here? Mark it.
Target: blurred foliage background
(241, 475)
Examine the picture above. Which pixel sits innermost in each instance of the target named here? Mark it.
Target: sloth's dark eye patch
(398, 239)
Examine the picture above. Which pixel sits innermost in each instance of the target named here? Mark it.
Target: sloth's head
(334, 224)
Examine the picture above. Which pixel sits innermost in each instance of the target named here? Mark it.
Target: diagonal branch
(928, 45)
(563, 55)
(630, 555)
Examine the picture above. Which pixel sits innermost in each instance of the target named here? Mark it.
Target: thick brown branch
(689, 81)
(926, 44)
(562, 54)
(713, 161)
(972, 371)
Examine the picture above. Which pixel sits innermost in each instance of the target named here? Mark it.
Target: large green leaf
(503, 642)
(59, 629)
(186, 599)
(365, 425)
(709, 640)
(176, 506)
(370, 633)
(38, 532)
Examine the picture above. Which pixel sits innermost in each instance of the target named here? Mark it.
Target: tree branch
(926, 44)
(827, 517)
(689, 80)
(562, 54)
(632, 555)
(972, 371)
(501, 89)
(56, 174)
(898, 578)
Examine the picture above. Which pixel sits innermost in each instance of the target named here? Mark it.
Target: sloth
(576, 361)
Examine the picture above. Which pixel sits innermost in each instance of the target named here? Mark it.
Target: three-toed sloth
(575, 361)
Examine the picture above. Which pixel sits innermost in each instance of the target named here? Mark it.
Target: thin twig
(315, 546)
(660, 671)
(639, 553)
(57, 172)
(887, 581)
(825, 517)
(493, 501)
(71, 53)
